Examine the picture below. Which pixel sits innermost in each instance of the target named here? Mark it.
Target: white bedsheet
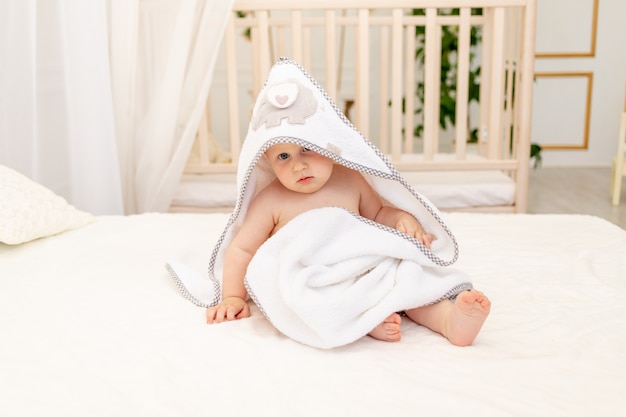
(93, 326)
(446, 189)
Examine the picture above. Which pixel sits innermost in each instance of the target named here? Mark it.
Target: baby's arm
(404, 222)
(253, 232)
(412, 227)
(233, 305)
(372, 207)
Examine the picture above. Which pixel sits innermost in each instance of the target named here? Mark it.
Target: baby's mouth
(305, 180)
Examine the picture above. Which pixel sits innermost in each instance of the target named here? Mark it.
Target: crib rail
(363, 53)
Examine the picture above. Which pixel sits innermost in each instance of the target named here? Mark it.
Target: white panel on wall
(566, 28)
(561, 110)
(567, 43)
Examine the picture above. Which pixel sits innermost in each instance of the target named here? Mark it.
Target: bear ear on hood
(288, 101)
(293, 107)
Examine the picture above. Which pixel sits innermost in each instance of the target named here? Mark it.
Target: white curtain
(162, 58)
(100, 100)
(56, 118)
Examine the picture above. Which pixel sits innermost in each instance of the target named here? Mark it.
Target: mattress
(92, 325)
(447, 189)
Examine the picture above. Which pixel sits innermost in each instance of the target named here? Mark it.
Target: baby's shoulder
(268, 193)
(347, 173)
(349, 177)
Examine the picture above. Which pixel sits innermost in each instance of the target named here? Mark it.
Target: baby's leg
(388, 330)
(459, 320)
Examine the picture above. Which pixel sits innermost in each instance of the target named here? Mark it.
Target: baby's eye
(305, 149)
(283, 156)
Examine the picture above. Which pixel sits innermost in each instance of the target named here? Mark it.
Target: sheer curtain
(100, 100)
(56, 119)
(162, 58)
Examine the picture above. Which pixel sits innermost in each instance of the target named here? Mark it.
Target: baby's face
(298, 168)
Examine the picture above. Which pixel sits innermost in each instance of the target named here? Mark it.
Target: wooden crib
(364, 53)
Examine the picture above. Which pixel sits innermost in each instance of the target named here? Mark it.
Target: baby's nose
(298, 165)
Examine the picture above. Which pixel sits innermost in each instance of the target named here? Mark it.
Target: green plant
(448, 76)
(449, 68)
(535, 155)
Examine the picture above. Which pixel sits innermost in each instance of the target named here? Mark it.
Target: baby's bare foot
(388, 330)
(467, 316)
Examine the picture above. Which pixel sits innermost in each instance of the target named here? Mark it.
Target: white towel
(329, 277)
(293, 108)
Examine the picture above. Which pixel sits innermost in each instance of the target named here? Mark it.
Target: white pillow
(29, 210)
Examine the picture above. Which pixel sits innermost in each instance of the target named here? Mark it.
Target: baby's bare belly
(287, 217)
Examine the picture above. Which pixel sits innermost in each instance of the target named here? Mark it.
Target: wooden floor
(575, 191)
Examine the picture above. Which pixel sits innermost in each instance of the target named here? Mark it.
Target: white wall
(609, 82)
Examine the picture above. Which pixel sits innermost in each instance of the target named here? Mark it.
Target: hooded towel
(329, 276)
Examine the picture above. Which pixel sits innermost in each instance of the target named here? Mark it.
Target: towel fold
(329, 277)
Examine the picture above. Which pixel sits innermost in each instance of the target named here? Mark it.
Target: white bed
(92, 325)
(448, 190)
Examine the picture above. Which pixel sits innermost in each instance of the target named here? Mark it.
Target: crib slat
(281, 46)
(517, 103)
(255, 55)
(409, 90)
(341, 44)
(524, 91)
(396, 84)
(462, 83)
(510, 59)
(485, 74)
(496, 83)
(383, 106)
(306, 50)
(264, 49)
(331, 54)
(431, 84)
(296, 35)
(362, 72)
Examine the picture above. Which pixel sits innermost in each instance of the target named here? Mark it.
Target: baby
(306, 180)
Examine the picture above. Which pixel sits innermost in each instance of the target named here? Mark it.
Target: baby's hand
(231, 308)
(409, 225)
